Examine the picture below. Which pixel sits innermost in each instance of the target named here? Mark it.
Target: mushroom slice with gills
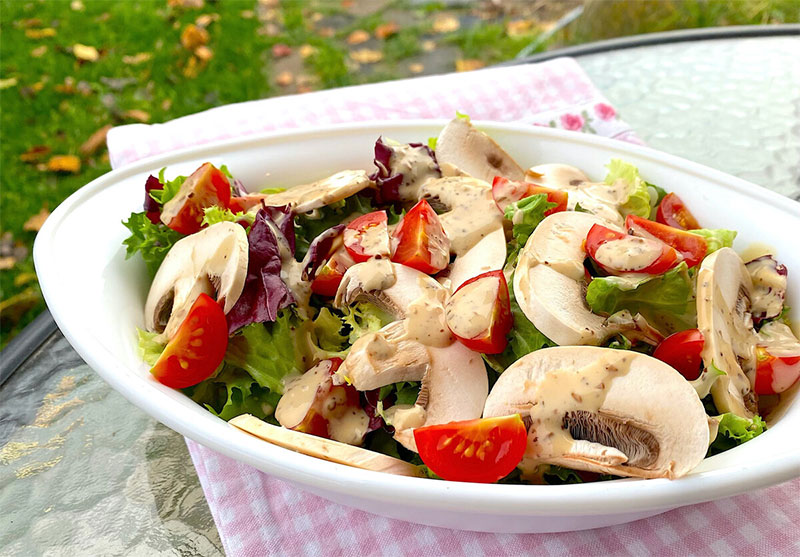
(470, 150)
(724, 290)
(604, 410)
(318, 194)
(211, 261)
(325, 449)
(549, 281)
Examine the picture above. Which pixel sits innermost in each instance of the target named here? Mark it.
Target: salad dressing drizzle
(472, 315)
(630, 253)
(416, 166)
(425, 317)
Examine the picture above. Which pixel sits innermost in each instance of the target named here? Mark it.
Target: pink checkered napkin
(260, 515)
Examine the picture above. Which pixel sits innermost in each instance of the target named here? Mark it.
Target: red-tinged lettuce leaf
(386, 177)
(151, 206)
(264, 292)
(319, 249)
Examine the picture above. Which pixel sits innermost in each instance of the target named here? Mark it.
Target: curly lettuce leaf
(233, 393)
(364, 318)
(525, 215)
(149, 349)
(639, 200)
(715, 238)
(735, 430)
(170, 189)
(215, 214)
(405, 392)
(328, 331)
(153, 241)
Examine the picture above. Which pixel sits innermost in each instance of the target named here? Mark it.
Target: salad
(454, 315)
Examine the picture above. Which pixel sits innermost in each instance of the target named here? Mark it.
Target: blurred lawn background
(69, 70)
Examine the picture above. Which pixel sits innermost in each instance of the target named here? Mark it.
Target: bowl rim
(621, 496)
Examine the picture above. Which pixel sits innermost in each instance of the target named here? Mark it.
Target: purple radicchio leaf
(387, 178)
(238, 188)
(769, 286)
(369, 402)
(150, 204)
(318, 251)
(264, 293)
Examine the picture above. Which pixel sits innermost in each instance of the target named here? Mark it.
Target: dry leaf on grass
(34, 223)
(7, 262)
(193, 36)
(316, 16)
(284, 79)
(35, 154)
(95, 141)
(137, 58)
(519, 27)
(429, 45)
(326, 32)
(204, 53)
(8, 82)
(247, 14)
(39, 51)
(166, 104)
(85, 53)
(76, 6)
(64, 163)
(469, 64)
(416, 67)
(357, 37)
(136, 114)
(24, 278)
(306, 50)
(386, 30)
(40, 33)
(281, 50)
(206, 19)
(188, 4)
(366, 56)
(446, 24)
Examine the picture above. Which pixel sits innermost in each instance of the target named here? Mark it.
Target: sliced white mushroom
(326, 449)
(769, 286)
(603, 410)
(549, 281)
(489, 254)
(472, 151)
(312, 196)
(723, 316)
(211, 261)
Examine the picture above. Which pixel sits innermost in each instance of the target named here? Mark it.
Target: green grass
(33, 112)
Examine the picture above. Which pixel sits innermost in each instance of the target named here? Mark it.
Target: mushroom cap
(472, 151)
(488, 254)
(212, 260)
(723, 316)
(323, 192)
(604, 410)
(326, 449)
(556, 176)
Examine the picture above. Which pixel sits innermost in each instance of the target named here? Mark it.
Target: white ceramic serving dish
(97, 299)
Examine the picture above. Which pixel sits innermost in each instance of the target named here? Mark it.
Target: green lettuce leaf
(716, 238)
(735, 430)
(171, 187)
(558, 475)
(214, 214)
(328, 331)
(406, 392)
(233, 393)
(149, 349)
(639, 200)
(525, 215)
(266, 351)
(363, 318)
(153, 241)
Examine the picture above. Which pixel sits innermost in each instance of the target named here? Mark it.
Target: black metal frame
(23, 345)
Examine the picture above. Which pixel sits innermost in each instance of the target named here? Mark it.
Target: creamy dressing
(378, 275)
(374, 239)
(425, 317)
(628, 254)
(769, 286)
(300, 395)
(780, 342)
(318, 194)
(292, 272)
(416, 166)
(405, 416)
(469, 312)
(756, 249)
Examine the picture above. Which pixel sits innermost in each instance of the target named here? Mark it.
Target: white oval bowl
(97, 299)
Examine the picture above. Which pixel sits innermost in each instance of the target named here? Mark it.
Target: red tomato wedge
(482, 451)
(327, 278)
(682, 351)
(367, 236)
(244, 203)
(506, 192)
(419, 241)
(479, 313)
(621, 253)
(672, 212)
(692, 247)
(775, 373)
(206, 187)
(197, 348)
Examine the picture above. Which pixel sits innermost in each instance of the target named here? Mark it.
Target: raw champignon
(769, 286)
(326, 449)
(603, 410)
(723, 316)
(470, 150)
(549, 281)
(318, 194)
(211, 261)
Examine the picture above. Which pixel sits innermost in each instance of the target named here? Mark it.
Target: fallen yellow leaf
(247, 14)
(35, 154)
(386, 30)
(357, 37)
(366, 56)
(137, 58)
(446, 24)
(8, 82)
(192, 67)
(416, 67)
(284, 79)
(519, 27)
(204, 53)
(193, 36)
(7, 263)
(40, 33)
(85, 52)
(429, 45)
(136, 114)
(34, 223)
(64, 163)
(326, 32)
(39, 51)
(95, 141)
(469, 65)
(306, 50)
(24, 278)
(76, 5)
(206, 19)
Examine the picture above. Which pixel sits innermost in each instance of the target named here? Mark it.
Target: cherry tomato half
(420, 242)
(692, 247)
(621, 253)
(197, 348)
(506, 192)
(206, 187)
(327, 278)
(482, 451)
(367, 236)
(682, 350)
(672, 212)
(479, 313)
(775, 374)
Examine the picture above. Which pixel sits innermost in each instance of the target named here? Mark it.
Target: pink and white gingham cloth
(260, 515)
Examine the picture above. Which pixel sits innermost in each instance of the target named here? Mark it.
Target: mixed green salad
(454, 315)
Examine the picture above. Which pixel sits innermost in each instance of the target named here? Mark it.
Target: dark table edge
(31, 337)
